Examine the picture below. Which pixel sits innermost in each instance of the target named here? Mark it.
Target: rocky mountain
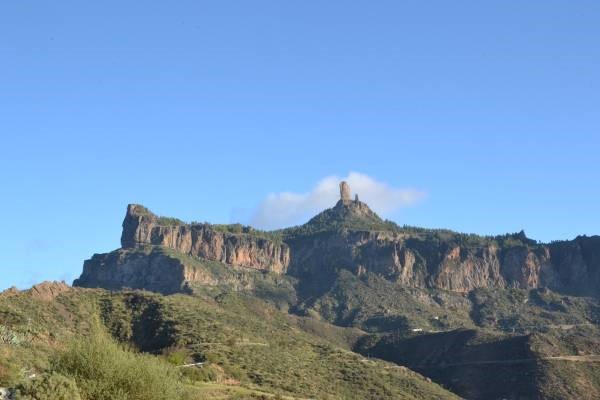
(348, 236)
(351, 236)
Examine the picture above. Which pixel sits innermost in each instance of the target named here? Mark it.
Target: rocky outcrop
(11, 291)
(141, 227)
(132, 269)
(48, 291)
(5, 394)
(161, 270)
(344, 191)
(144, 261)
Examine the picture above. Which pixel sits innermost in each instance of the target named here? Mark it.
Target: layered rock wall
(349, 236)
(121, 269)
(571, 267)
(141, 227)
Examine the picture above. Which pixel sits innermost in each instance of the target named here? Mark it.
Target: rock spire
(344, 191)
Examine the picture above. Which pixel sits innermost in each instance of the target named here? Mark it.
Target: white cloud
(284, 209)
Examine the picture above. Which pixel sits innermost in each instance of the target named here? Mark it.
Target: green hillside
(249, 348)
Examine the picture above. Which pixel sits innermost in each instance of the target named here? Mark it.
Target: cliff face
(141, 227)
(570, 267)
(160, 270)
(348, 236)
(429, 261)
(132, 269)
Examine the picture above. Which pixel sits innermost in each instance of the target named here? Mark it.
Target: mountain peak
(347, 213)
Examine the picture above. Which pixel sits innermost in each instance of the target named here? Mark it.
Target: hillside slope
(244, 343)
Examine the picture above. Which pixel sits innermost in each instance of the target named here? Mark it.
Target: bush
(201, 374)
(9, 373)
(176, 356)
(105, 370)
(48, 387)
(10, 337)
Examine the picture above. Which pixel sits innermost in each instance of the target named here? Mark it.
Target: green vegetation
(352, 217)
(240, 229)
(249, 347)
(524, 311)
(8, 336)
(167, 221)
(51, 386)
(255, 344)
(375, 304)
(224, 228)
(453, 238)
(105, 370)
(458, 359)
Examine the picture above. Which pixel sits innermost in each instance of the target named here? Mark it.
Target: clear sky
(201, 109)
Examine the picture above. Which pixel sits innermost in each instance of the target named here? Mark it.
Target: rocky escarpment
(168, 256)
(165, 271)
(161, 270)
(138, 269)
(141, 227)
(348, 236)
(48, 291)
(352, 237)
(45, 291)
(427, 262)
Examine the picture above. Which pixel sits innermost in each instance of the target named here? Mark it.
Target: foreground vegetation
(131, 345)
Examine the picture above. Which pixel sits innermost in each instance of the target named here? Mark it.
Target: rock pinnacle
(344, 191)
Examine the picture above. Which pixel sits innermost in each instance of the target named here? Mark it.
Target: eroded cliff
(348, 236)
(137, 269)
(141, 227)
(442, 259)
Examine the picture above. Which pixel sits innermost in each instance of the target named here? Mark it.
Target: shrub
(48, 387)
(105, 370)
(9, 373)
(176, 356)
(201, 374)
(10, 337)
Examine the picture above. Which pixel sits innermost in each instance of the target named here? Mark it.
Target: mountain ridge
(351, 236)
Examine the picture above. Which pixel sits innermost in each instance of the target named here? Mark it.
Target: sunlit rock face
(345, 192)
(347, 236)
(141, 227)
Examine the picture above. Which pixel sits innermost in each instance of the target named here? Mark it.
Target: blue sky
(201, 110)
